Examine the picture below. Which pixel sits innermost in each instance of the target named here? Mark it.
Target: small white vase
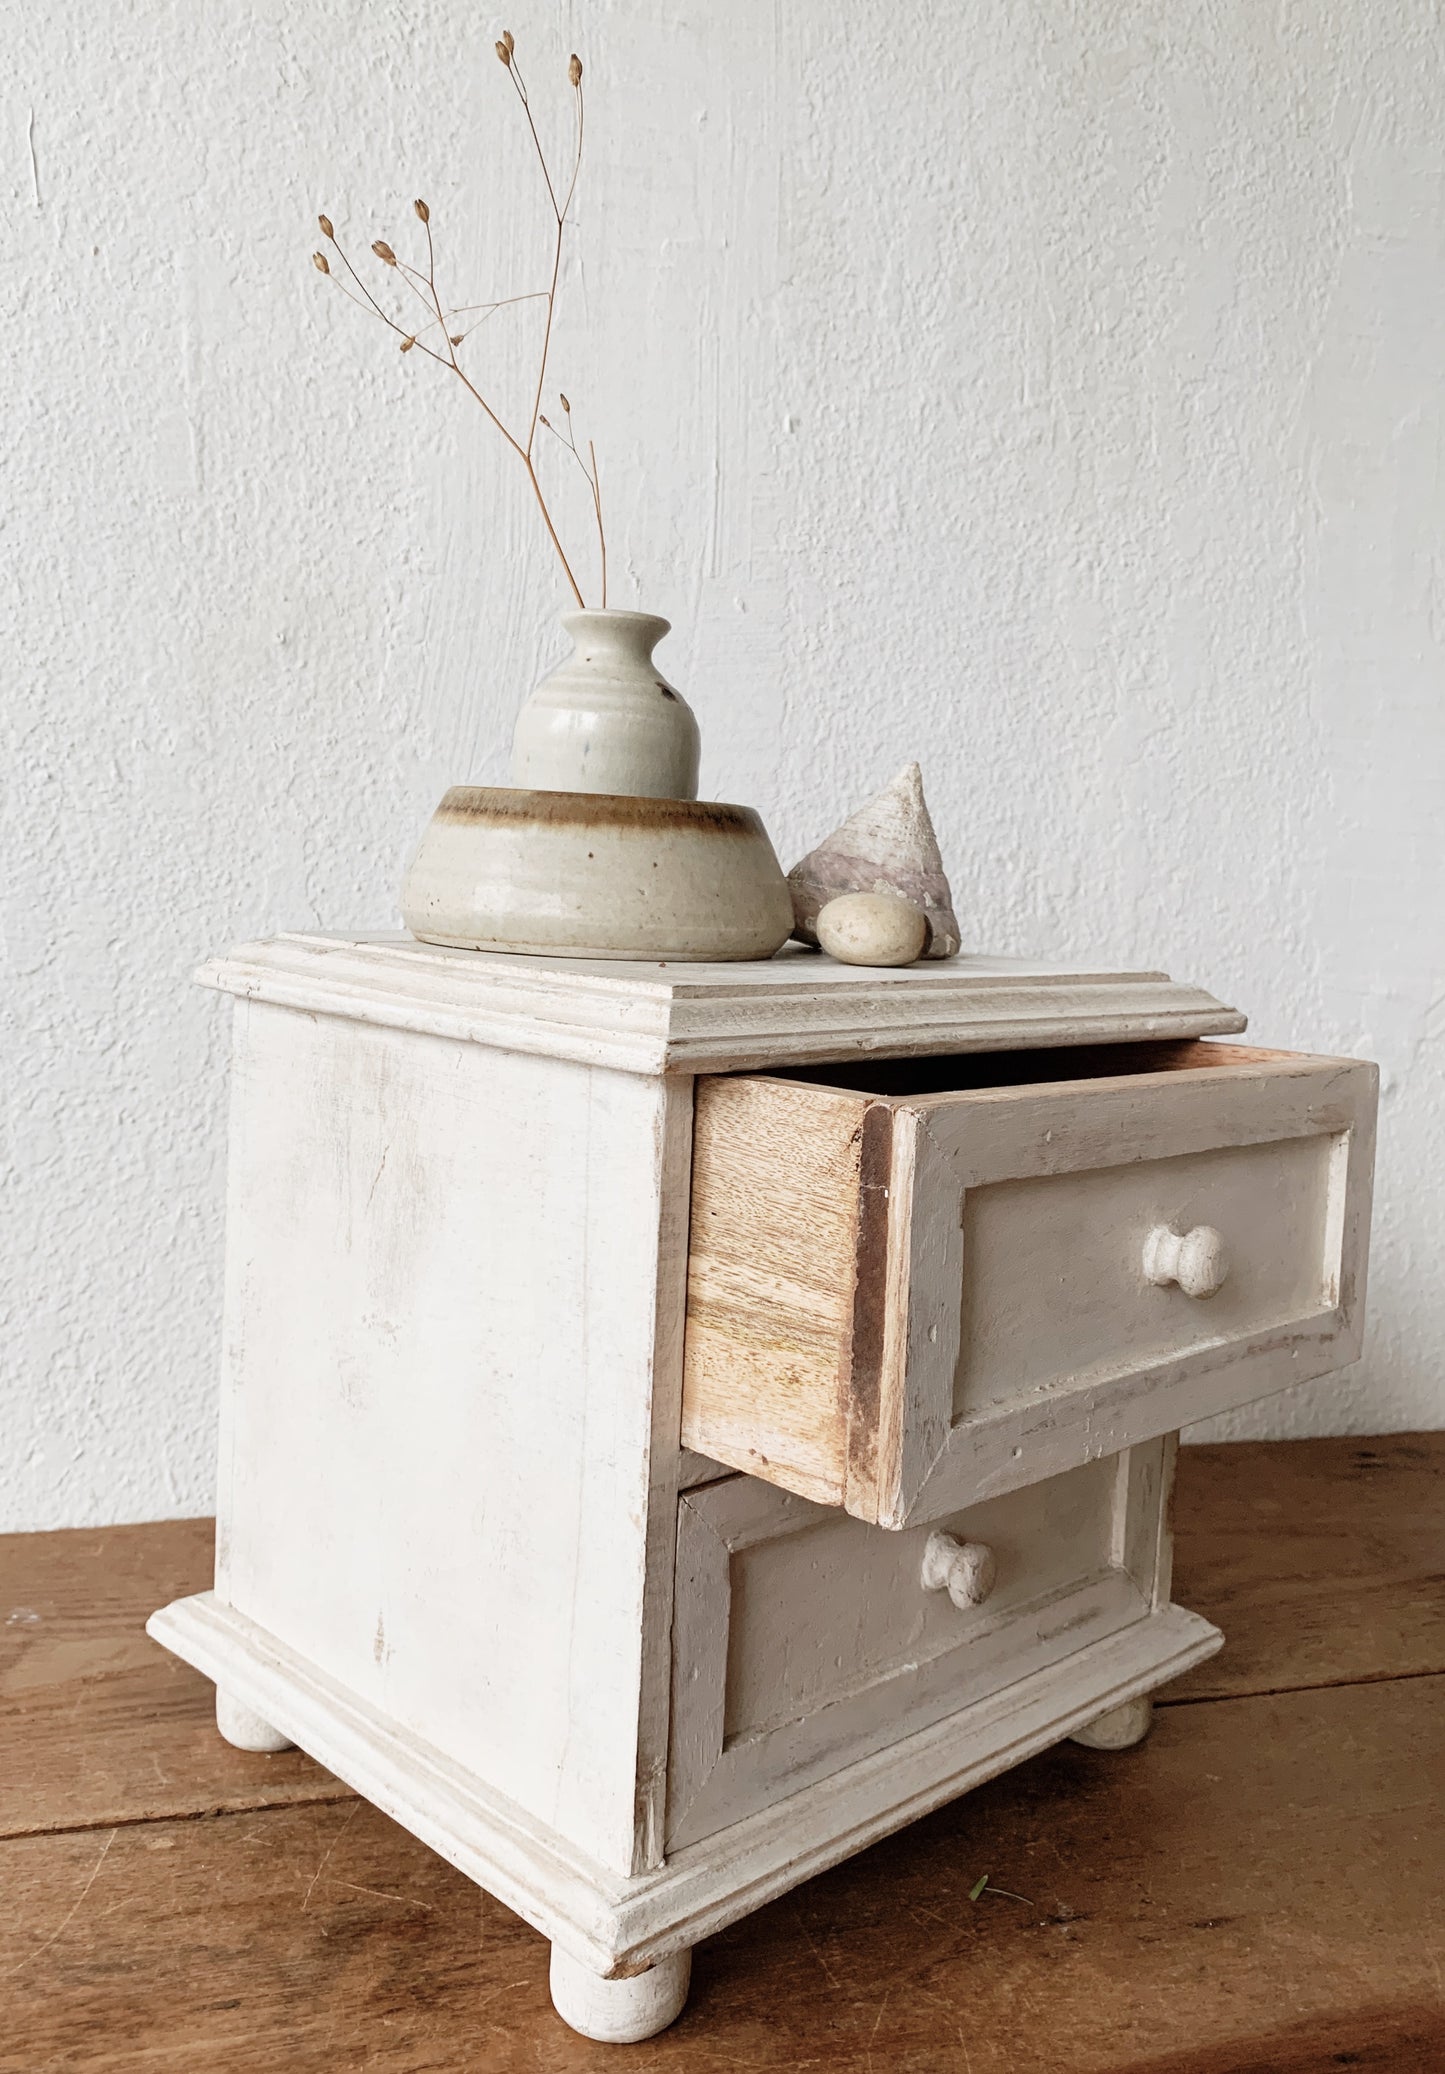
(606, 720)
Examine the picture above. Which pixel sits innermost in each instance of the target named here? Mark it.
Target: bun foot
(619, 2012)
(245, 1730)
(1120, 1729)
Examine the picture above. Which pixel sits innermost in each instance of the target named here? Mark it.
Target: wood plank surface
(98, 1724)
(1257, 1887)
(1257, 1890)
(1323, 1561)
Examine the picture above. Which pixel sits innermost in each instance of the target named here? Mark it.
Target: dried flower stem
(591, 478)
(601, 534)
(423, 285)
(515, 75)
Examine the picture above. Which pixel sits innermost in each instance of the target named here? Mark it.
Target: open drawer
(916, 1283)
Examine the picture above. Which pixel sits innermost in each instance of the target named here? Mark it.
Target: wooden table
(1258, 1889)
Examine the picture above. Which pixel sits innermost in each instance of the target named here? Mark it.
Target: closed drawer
(908, 1290)
(803, 1640)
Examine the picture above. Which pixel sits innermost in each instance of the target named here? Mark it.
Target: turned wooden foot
(245, 1729)
(619, 2012)
(1119, 1729)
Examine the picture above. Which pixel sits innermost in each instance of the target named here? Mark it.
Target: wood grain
(771, 1273)
(1254, 1891)
(1322, 1560)
(98, 1724)
(1255, 1888)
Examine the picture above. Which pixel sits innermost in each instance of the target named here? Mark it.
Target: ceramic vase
(607, 720)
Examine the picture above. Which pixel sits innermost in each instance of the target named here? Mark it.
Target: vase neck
(633, 635)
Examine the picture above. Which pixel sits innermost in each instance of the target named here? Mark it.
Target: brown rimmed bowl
(596, 875)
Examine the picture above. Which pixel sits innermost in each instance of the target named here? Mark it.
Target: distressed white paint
(619, 2012)
(613, 1922)
(452, 1560)
(453, 1289)
(803, 1639)
(1051, 392)
(647, 1016)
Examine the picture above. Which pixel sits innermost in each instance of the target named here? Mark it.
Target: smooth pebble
(872, 929)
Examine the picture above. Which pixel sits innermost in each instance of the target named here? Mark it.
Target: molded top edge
(646, 1017)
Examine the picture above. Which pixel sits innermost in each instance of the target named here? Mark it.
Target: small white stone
(872, 929)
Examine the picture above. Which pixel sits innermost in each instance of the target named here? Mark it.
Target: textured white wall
(1051, 389)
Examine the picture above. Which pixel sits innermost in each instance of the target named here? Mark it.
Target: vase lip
(593, 619)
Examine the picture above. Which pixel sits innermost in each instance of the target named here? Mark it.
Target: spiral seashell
(887, 846)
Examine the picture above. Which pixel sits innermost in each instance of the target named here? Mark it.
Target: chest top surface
(796, 1008)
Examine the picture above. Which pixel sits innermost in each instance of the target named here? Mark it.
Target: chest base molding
(616, 1925)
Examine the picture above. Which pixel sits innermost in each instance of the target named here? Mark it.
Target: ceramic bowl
(596, 875)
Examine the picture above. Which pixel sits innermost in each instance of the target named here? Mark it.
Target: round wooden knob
(1197, 1260)
(964, 1569)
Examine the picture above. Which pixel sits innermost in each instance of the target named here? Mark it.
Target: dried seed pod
(543, 419)
(574, 69)
(503, 52)
(383, 251)
(457, 337)
(510, 40)
(565, 404)
(422, 211)
(318, 260)
(326, 230)
(408, 343)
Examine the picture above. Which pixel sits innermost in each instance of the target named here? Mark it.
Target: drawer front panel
(804, 1639)
(1054, 1288)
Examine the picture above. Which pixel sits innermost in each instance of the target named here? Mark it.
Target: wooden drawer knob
(964, 1569)
(1196, 1260)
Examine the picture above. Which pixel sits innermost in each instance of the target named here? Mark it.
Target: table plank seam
(343, 1792)
(1267, 1692)
(213, 1812)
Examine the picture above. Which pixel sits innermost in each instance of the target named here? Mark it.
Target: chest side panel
(438, 1393)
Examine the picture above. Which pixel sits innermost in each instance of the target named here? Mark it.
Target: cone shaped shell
(888, 846)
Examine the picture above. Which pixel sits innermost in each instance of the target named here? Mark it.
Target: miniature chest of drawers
(679, 1423)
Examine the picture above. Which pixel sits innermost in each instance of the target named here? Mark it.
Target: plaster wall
(1050, 389)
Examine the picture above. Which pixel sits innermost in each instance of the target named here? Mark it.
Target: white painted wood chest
(679, 1423)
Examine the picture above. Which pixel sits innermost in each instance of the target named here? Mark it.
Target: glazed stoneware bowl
(596, 875)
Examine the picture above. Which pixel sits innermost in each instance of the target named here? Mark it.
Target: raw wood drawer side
(781, 1201)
